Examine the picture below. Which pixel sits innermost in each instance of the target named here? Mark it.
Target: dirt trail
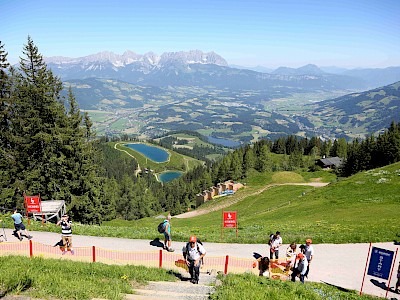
(234, 200)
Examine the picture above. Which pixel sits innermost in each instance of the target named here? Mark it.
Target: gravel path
(337, 264)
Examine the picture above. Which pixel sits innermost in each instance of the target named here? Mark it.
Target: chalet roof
(332, 161)
(51, 209)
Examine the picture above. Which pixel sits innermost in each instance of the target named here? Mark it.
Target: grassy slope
(64, 279)
(248, 286)
(361, 208)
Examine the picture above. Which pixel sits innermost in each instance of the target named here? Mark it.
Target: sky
(269, 33)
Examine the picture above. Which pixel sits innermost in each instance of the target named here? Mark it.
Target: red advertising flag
(230, 220)
(33, 204)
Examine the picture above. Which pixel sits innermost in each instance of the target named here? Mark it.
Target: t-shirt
(17, 217)
(194, 253)
(276, 243)
(167, 230)
(66, 229)
(309, 251)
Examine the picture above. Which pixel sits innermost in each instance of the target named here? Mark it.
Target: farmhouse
(226, 188)
(330, 162)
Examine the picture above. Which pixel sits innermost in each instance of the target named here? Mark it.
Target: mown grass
(63, 279)
(362, 208)
(249, 286)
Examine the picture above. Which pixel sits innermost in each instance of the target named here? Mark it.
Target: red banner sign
(230, 220)
(33, 204)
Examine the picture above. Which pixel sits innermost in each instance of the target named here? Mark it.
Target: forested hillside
(48, 148)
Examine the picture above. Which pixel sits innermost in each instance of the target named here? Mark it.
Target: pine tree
(5, 87)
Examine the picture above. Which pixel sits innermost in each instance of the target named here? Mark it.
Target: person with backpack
(193, 253)
(300, 267)
(167, 234)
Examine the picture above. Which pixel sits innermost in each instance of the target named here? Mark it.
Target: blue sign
(380, 263)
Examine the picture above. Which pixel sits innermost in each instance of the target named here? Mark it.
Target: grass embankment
(176, 161)
(63, 279)
(248, 286)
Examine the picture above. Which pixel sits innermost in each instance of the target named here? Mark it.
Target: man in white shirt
(193, 253)
(309, 253)
(275, 244)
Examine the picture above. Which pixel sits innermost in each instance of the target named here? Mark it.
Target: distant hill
(260, 69)
(305, 70)
(369, 111)
(376, 77)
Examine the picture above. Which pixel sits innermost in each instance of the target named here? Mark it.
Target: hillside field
(361, 208)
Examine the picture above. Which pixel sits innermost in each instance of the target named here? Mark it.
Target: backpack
(271, 238)
(161, 227)
(197, 245)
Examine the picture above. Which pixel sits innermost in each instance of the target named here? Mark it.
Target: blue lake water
(223, 142)
(169, 175)
(154, 153)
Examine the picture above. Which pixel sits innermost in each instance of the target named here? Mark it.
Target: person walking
(309, 253)
(167, 234)
(274, 246)
(66, 233)
(193, 253)
(291, 253)
(300, 267)
(18, 225)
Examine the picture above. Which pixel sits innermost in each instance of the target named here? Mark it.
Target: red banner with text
(230, 220)
(32, 204)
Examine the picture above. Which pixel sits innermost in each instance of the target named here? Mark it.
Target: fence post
(226, 264)
(30, 248)
(94, 253)
(160, 259)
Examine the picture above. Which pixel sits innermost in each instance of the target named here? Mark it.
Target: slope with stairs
(183, 289)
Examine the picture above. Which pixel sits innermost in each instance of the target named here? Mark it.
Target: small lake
(223, 142)
(151, 152)
(169, 175)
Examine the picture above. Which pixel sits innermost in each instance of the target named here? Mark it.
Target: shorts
(167, 236)
(19, 226)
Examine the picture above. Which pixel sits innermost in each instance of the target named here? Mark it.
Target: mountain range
(196, 68)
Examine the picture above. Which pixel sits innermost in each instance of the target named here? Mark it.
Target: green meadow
(361, 208)
(64, 279)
